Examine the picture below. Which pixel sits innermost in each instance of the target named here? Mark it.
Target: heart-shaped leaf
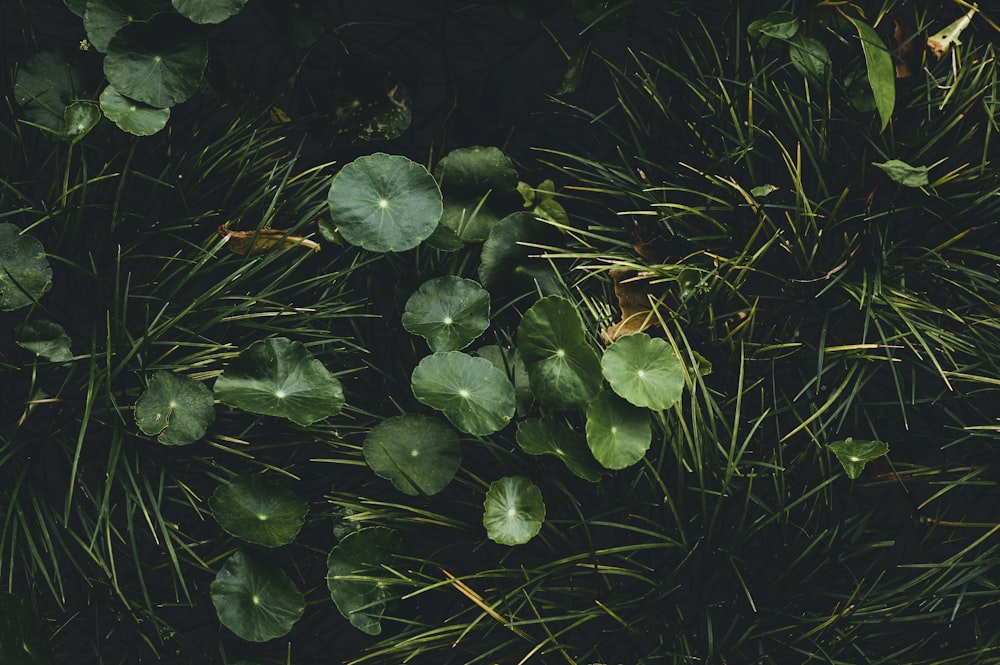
(507, 260)
(383, 203)
(854, 455)
(513, 512)
(23, 637)
(132, 116)
(279, 377)
(104, 18)
(564, 369)
(45, 85)
(175, 409)
(644, 370)
(549, 436)
(420, 455)
(159, 63)
(449, 312)
(79, 119)
(258, 511)
(358, 583)
(473, 394)
(208, 11)
(618, 433)
(46, 339)
(25, 273)
(255, 599)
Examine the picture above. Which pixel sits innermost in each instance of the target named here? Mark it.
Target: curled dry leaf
(634, 292)
(246, 243)
(907, 53)
(940, 42)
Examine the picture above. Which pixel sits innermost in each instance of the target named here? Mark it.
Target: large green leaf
(474, 171)
(644, 370)
(473, 394)
(854, 455)
(104, 18)
(550, 436)
(508, 260)
(618, 433)
(45, 85)
(564, 369)
(514, 511)
(23, 637)
(358, 583)
(881, 70)
(159, 63)
(449, 312)
(279, 377)
(25, 273)
(383, 203)
(46, 339)
(420, 455)
(255, 599)
(132, 116)
(175, 409)
(208, 11)
(258, 510)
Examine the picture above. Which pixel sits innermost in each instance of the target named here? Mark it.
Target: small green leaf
(79, 119)
(853, 455)
(761, 191)
(508, 261)
(356, 576)
(645, 371)
(208, 11)
(175, 409)
(258, 510)
(779, 25)
(25, 274)
(255, 599)
(513, 512)
(472, 172)
(46, 339)
(550, 436)
(904, 174)
(420, 455)
(132, 116)
(471, 220)
(23, 637)
(881, 70)
(618, 433)
(474, 395)
(809, 57)
(449, 312)
(279, 377)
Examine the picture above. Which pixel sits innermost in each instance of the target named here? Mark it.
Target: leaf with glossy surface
(258, 510)
(46, 339)
(383, 203)
(618, 433)
(474, 171)
(175, 409)
(904, 174)
(255, 599)
(854, 455)
(358, 583)
(23, 637)
(564, 370)
(645, 371)
(104, 18)
(881, 70)
(418, 454)
(514, 511)
(44, 86)
(132, 116)
(449, 312)
(474, 395)
(208, 11)
(506, 259)
(279, 377)
(25, 274)
(159, 63)
(549, 436)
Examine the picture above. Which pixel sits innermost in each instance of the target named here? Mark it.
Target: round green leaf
(644, 370)
(854, 455)
(159, 63)
(358, 583)
(175, 409)
(383, 203)
(418, 454)
(79, 119)
(513, 511)
(23, 636)
(279, 377)
(104, 18)
(255, 599)
(208, 11)
(258, 511)
(507, 259)
(549, 436)
(132, 116)
(25, 273)
(449, 312)
(618, 433)
(45, 85)
(46, 339)
(472, 172)
(564, 370)
(473, 394)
